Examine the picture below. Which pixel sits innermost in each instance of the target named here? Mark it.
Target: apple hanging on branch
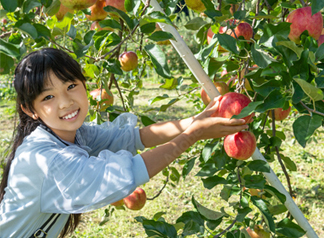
(97, 11)
(302, 20)
(106, 99)
(240, 145)
(136, 200)
(128, 61)
(257, 232)
(280, 114)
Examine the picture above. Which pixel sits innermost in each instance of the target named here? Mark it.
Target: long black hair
(31, 75)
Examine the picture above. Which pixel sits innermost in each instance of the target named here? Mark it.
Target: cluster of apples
(135, 201)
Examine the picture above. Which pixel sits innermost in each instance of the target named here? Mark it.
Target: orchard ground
(175, 199)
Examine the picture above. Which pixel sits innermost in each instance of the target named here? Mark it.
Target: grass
(175, 199)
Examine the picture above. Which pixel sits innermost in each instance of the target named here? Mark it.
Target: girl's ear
(29, 113)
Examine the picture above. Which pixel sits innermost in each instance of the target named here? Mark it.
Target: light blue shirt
(47, 176)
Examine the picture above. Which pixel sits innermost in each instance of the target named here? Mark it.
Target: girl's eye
(48, 97)
(72, 86)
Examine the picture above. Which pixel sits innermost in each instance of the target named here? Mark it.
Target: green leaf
(259, 166)
(289, 163)
(242, 212)
(291, 45)
(110, 23)
(6, 63)
(27, 28)
(42, 31)
(207, 213)
(208, 150)
(113, 66)
(170, 84)
(317, 6)
(156, 17)
(9, 49)
(260, 57)
(161, 36)
(159, 60)
(211, 182)
(9, 5)
(188, 167)
(147, 121)
(261, 205)
(254, 181)
(175, 175)
(314, 93)
(195, 24)
(289, 229)
(30, 4)
(228, 42)
(164, 107)
(248, 109)
(53, 8)
(80, 49)
(267, 87)
(159, 229)
(106, 40)
(148, 28)
(272, 101)
(274, 192)
(129, 22)
(129, 5)
(277, 209)
(319, 54)
(158, 98)
(304, 127)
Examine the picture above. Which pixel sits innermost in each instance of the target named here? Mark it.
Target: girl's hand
(208, 125)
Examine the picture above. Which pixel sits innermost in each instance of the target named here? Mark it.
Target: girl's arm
(203, 126)
(162, 132)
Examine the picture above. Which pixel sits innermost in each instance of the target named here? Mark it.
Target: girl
(60, 167)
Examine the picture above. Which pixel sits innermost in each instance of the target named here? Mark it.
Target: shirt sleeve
(77, 183)
(121, 134)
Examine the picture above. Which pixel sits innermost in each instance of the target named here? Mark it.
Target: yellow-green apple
(280, 114)
(62, 11)
(232, 104)
(106, 99)
(258, 232)
(97, 11)
(240, 145)
(256, 192)
(195, 5)
(118, 203)
(222, 88)
(136, 200)
(128, 60)
(78, 4)
(301, 20)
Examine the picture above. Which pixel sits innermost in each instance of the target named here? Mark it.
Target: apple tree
(269, 50)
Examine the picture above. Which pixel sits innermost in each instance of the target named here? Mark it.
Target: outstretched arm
(203, 126)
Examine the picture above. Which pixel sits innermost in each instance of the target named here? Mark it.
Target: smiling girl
(61, 167)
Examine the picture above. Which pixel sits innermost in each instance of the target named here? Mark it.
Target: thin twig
(159, 193)
(5, 34)
(311, 110)
(227, 229)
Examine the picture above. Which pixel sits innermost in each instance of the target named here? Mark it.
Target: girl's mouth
(71, 115)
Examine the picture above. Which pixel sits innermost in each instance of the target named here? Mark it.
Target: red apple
(240, 145)
(62, 11)
(232, 104)
(107, 99)
(4, 21)
(136, 200)
(258, 232)
(280, 114)
(222, 88)
(301, 20)
(97, 11)
(118, 203)
(195, 5)
(128, 61)
(78, 4)
(119, 4)
(243, 29)
(210, 35)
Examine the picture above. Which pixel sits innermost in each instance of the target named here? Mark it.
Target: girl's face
(62, 106)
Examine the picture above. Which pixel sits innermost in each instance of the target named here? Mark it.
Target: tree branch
(311, 110)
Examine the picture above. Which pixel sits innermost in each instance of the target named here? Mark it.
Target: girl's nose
(65, 101)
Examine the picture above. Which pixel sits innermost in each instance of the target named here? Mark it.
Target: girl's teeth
(70, 115)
